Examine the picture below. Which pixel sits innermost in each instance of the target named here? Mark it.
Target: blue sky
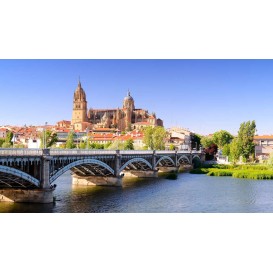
(202, 95)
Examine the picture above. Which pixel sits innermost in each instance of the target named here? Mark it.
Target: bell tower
(79, 106)
(128, 108)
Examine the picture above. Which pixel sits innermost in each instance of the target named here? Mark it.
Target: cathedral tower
(128, 107)
(79, 106)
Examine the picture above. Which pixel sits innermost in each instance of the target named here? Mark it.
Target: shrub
(215, 172)
(199, 171)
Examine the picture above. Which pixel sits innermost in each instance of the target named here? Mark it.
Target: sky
(202, 95)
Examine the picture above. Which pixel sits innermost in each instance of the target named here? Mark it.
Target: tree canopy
(207, 141)
(243, 145)
(154, 138)
(70, 141)
(221, 138)
(246, 135)
(129, 144)
(51, 138)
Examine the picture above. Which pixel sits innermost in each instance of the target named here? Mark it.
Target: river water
(189, 193)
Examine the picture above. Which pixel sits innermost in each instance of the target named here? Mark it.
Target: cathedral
(126, 118)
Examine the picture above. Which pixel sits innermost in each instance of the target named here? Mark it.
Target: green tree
(9, 137)
(246, 135)
(129, 144)
(70, 141)
(97, 146)
(226, 150)
(82, 144)
(7, 141)
(221, 138)
(172, 147)
(234, 150)
(154, 138)
(207, 141)
(107, 145)
(159, 138)
(6, 145)
(196, 141)
(51, 138)
(148, 137)
(2, 140)
(116, 145)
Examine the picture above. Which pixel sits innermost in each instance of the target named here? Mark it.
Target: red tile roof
(263, 137)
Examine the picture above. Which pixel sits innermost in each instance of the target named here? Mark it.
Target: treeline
(7, 142)
(240, 147)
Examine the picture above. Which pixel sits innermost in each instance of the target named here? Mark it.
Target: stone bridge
(28, 175)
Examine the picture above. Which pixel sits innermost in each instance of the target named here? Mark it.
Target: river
(188, 194)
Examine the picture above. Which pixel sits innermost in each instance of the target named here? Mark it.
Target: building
(126, 118)
(180, 138)
(3, 132)
(263, 146)
(63, 124)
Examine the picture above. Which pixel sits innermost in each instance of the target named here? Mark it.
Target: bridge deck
(58, 152)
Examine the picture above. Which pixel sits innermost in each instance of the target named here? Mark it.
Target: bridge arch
(196, 156)
(164, 158)
(78, 163)
(135, 160)
(196, 161)
(184, 157)
(18, 173)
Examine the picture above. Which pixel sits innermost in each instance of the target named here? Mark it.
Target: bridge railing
(20, 152)
(129, 152)
(40, 152)
(81, 152)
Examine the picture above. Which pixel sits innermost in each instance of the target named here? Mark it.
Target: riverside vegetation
(237, 171)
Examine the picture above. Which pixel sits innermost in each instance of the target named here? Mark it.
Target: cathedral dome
(128, 102)
(79, 93)
(128, 97)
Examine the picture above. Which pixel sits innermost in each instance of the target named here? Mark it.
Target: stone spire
(79, 105)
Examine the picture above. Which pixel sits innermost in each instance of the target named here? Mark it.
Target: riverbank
(257, 172)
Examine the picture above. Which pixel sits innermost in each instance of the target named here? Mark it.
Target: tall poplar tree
(244, 145)
(70, 141)
(245, 140)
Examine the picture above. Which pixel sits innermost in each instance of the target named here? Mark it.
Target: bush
(216, 172)
(253, 175)
(237, 171)
(199, 171)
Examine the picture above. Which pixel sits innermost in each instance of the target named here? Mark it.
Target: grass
(258, 172)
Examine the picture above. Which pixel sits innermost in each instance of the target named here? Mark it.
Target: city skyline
(202, 95)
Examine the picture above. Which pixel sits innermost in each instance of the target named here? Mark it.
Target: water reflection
(189, 193)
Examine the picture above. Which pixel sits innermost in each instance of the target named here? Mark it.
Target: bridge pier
(141, 174)
(97, 180)
(168, 169)
(43, 196)
(45, 184)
